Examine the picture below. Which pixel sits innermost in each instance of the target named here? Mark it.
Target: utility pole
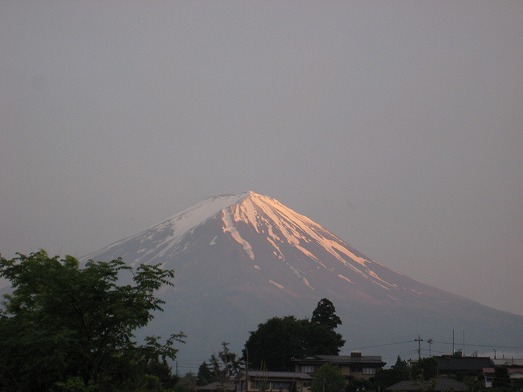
(419, 340)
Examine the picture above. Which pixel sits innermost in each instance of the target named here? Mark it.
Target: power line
(384, 344)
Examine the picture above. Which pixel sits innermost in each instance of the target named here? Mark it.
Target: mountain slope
(240, 259)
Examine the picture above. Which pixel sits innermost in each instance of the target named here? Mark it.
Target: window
(369, 371)
(307, 369)
(260, 385)
(281, 386)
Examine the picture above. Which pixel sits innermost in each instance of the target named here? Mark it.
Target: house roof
(448, 363)
(515, 373)
(442, 385)
(343, 359)
(279, 375)
(215, 386)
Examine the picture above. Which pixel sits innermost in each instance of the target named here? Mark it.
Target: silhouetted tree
(398, 372)
(185, 384)
(426, 368)
(501, 378)
(71, 328)
(280, 339)
(325, 315)
(205, 375)
(276, 342)
(323, 339)
(225, 365)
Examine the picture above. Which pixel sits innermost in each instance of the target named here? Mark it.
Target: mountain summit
(240, 259)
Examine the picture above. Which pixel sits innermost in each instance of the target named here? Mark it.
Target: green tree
(323, 339)
(398, 372)
(205, 375)
(279, 340)
(401, 365)
(325, 315)
(501, 378)
(328, 378)
(426, 368)
(185, 384)
(69, 328)
(359, 385)
(276, 342)
(225, 365)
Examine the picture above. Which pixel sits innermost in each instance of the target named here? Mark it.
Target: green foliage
(68, 328)
(475, 383)
(425, 369)
(225, 366)
(322, 340)
(325, 315)
(276, 342)
(322, 337)
(501, 378)
(186, 384)
(398, 372)
(205, 375)
(401, 365)
(358, 385)
(328, 378)
(425, 384)
(280, 339)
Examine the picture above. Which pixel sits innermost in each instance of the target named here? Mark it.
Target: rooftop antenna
(453, 351)
(463, 342)
(430, 341)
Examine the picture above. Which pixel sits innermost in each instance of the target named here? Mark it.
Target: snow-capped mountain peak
(168, 233)
(239, 259)
(281, 224)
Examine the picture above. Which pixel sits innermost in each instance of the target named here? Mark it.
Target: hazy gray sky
(397, 125)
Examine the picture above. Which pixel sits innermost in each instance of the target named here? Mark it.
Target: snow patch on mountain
(306, 283)
(230, 228)
(376, 276)
(280, 286)
(306, 252)
(277, 251)
(345, 278)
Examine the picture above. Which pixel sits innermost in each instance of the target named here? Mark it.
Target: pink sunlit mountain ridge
(241, 259)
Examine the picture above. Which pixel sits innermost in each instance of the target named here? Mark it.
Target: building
(353, 366)
(255, 381)
(439, 384)
(488, 375)
(514, 374)
(228, 386)
(458, 367)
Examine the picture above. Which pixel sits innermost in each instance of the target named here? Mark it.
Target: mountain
(241, 259)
